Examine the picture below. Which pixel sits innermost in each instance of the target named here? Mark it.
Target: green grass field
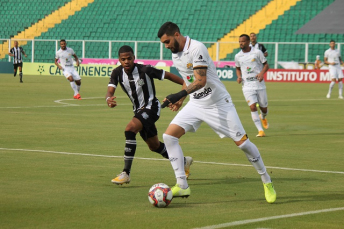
(58, 155)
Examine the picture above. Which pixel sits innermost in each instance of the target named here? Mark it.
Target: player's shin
(176, 157)
(129, 151)
(252, 153)
(162, 150)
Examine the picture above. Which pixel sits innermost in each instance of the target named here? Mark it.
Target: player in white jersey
(65, 54)
(251, 65)
(209, 102)
(333, 59)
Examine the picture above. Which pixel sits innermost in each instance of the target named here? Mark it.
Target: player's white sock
(331, 86)
(78, 86)
(256, 120)
(340, 85)
(176, 157)
(264, 114)
(253, 155)
(74, 87)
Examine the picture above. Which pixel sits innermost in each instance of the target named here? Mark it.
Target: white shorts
(256, 96)
(222, 117)
(70, 71)
(336, 72)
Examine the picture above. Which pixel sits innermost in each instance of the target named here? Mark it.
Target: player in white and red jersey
(65, 54)
(209, 102)
(251, 65)
(333, 59)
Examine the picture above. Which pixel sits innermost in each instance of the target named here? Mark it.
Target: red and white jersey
(65, 57)
(251, 64)
(196, 54)
(333, 56)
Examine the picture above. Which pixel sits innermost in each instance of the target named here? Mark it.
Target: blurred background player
(255, 44)
(251, 66)
(317, 63)
(65, 54)
(333, 59)
(137, 81)
(16, 52)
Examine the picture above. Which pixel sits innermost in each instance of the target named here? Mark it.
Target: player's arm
(174, 78)
(22, 51)
(76, 59)
(260, 76)
(328, 63)
(200, 73)
(265, 52)
(110, 98)
(238, 72)
(10, 53)
(340, 60)
(57, 64)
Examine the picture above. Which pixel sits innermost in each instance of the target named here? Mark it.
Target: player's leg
(340, 83)
(77, 80)
(133, 127)
(251, 99)
(234, 129)
(15, 67)
(67, 73)
(185, 121)
(333, 75)
(20, 72)
(263, 105)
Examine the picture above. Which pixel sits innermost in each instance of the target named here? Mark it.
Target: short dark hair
(245, 35)
(63, 40)
(168, 28)
(125, 48)
(332, 41)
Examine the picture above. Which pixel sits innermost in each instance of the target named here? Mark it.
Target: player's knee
(169, 139)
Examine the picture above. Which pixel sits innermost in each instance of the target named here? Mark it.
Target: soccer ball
(160, 195)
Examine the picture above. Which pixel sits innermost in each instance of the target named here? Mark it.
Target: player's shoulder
(239, 54)
(196, 45)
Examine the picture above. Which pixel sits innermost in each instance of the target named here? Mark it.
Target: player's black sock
(129, 151)
(21, 76)
(162, 150)
(15, 73)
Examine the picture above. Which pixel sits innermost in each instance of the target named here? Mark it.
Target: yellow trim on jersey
(46, 23)
(254, 24)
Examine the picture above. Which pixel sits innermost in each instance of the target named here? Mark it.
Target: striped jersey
(139, 85)
(18, 54)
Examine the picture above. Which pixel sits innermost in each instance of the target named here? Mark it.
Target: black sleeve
(153, 72)
(263, 48)
(115, 76)
(21, 49)
(11, 51)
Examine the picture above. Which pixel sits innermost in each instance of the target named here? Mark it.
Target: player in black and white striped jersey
(16, 52)
(137, 81)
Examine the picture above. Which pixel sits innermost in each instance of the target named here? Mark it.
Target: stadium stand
(139, 20)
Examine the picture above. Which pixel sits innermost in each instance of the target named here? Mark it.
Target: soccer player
(209, 102)
(333, 59)
(16, 52)
(65, 54)
(137, 81)
(255, 44)
(251, 65)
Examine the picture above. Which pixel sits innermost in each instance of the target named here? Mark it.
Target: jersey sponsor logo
(200, 59)
(189, 65)
(253, 60)
(205, 93)
(190, 78)
(249, 70)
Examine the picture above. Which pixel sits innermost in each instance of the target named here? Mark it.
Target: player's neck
(183, 43)
(247, 49)
(253, 43)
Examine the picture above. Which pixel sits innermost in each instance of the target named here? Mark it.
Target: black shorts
(148, 118)
(18, 65)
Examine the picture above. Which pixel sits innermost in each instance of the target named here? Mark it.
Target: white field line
(66, 104)
(155, 159)
(247, 221)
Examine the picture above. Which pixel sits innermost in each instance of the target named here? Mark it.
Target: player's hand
(173, 98)
(25, 55)
(60, 67)
(176, 106)
(260, 77)
(111, 102)
(239, 79)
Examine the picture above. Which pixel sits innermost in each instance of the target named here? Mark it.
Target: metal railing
(276, 55)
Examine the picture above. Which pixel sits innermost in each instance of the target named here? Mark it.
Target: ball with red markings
(160, 195)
